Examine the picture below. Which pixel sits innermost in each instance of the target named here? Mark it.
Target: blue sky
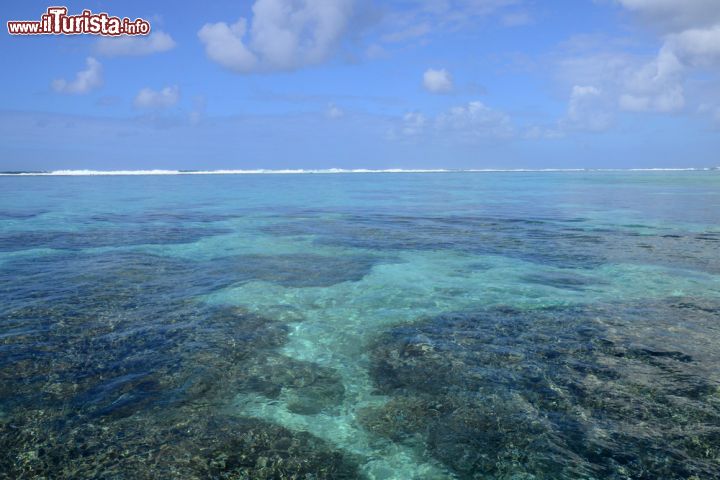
(361, 84)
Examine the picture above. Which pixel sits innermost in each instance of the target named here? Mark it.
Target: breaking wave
(329, 171)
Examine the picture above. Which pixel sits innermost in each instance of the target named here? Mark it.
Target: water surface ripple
(554, 325)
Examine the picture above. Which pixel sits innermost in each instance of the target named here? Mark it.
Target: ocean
(379, 325)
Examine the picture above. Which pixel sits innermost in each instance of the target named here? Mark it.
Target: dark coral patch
(188, 444)
(109, 370)
(576, 392)
(105, 237)
(298, 270)
(559, 242)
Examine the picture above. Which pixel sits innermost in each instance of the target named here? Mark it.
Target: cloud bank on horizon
(357, 84)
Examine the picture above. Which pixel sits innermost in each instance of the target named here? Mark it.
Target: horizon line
(325, 171)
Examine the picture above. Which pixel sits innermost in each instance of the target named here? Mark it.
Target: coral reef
(572, 392)
(556, 241)
(108, 372)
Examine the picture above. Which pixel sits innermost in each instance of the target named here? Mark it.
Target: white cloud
(455, 12)
(420, 18)
(437, 81)
(224, 45)
(413, 123)
(689, 54)
(655, 86)
(692, 43)
(282, 35)
(630, 83)
(157, 41)
(536, 132)
(670, 100)
(659, 84)
(85, 80)
(712, 110)
(470, 122)
(578, 95)
(697, 47)
(475, 120)
(333, 111)
(692, 28)
(165, 98)
(675, 15)
(586, 110)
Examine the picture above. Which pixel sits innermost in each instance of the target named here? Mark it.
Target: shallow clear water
(454, 325)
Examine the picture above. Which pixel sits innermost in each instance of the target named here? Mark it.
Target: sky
(308, 84)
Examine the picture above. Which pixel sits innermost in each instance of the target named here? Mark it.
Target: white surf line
(70, 173)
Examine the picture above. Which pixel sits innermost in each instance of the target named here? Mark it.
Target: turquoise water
(383, 326)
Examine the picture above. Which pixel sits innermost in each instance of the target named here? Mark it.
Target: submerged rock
(557, 241)
(297, 270)
(185, 443)
(105, 237)
(121, 376)
(550, 242)
(306, 388)
(576, 392)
